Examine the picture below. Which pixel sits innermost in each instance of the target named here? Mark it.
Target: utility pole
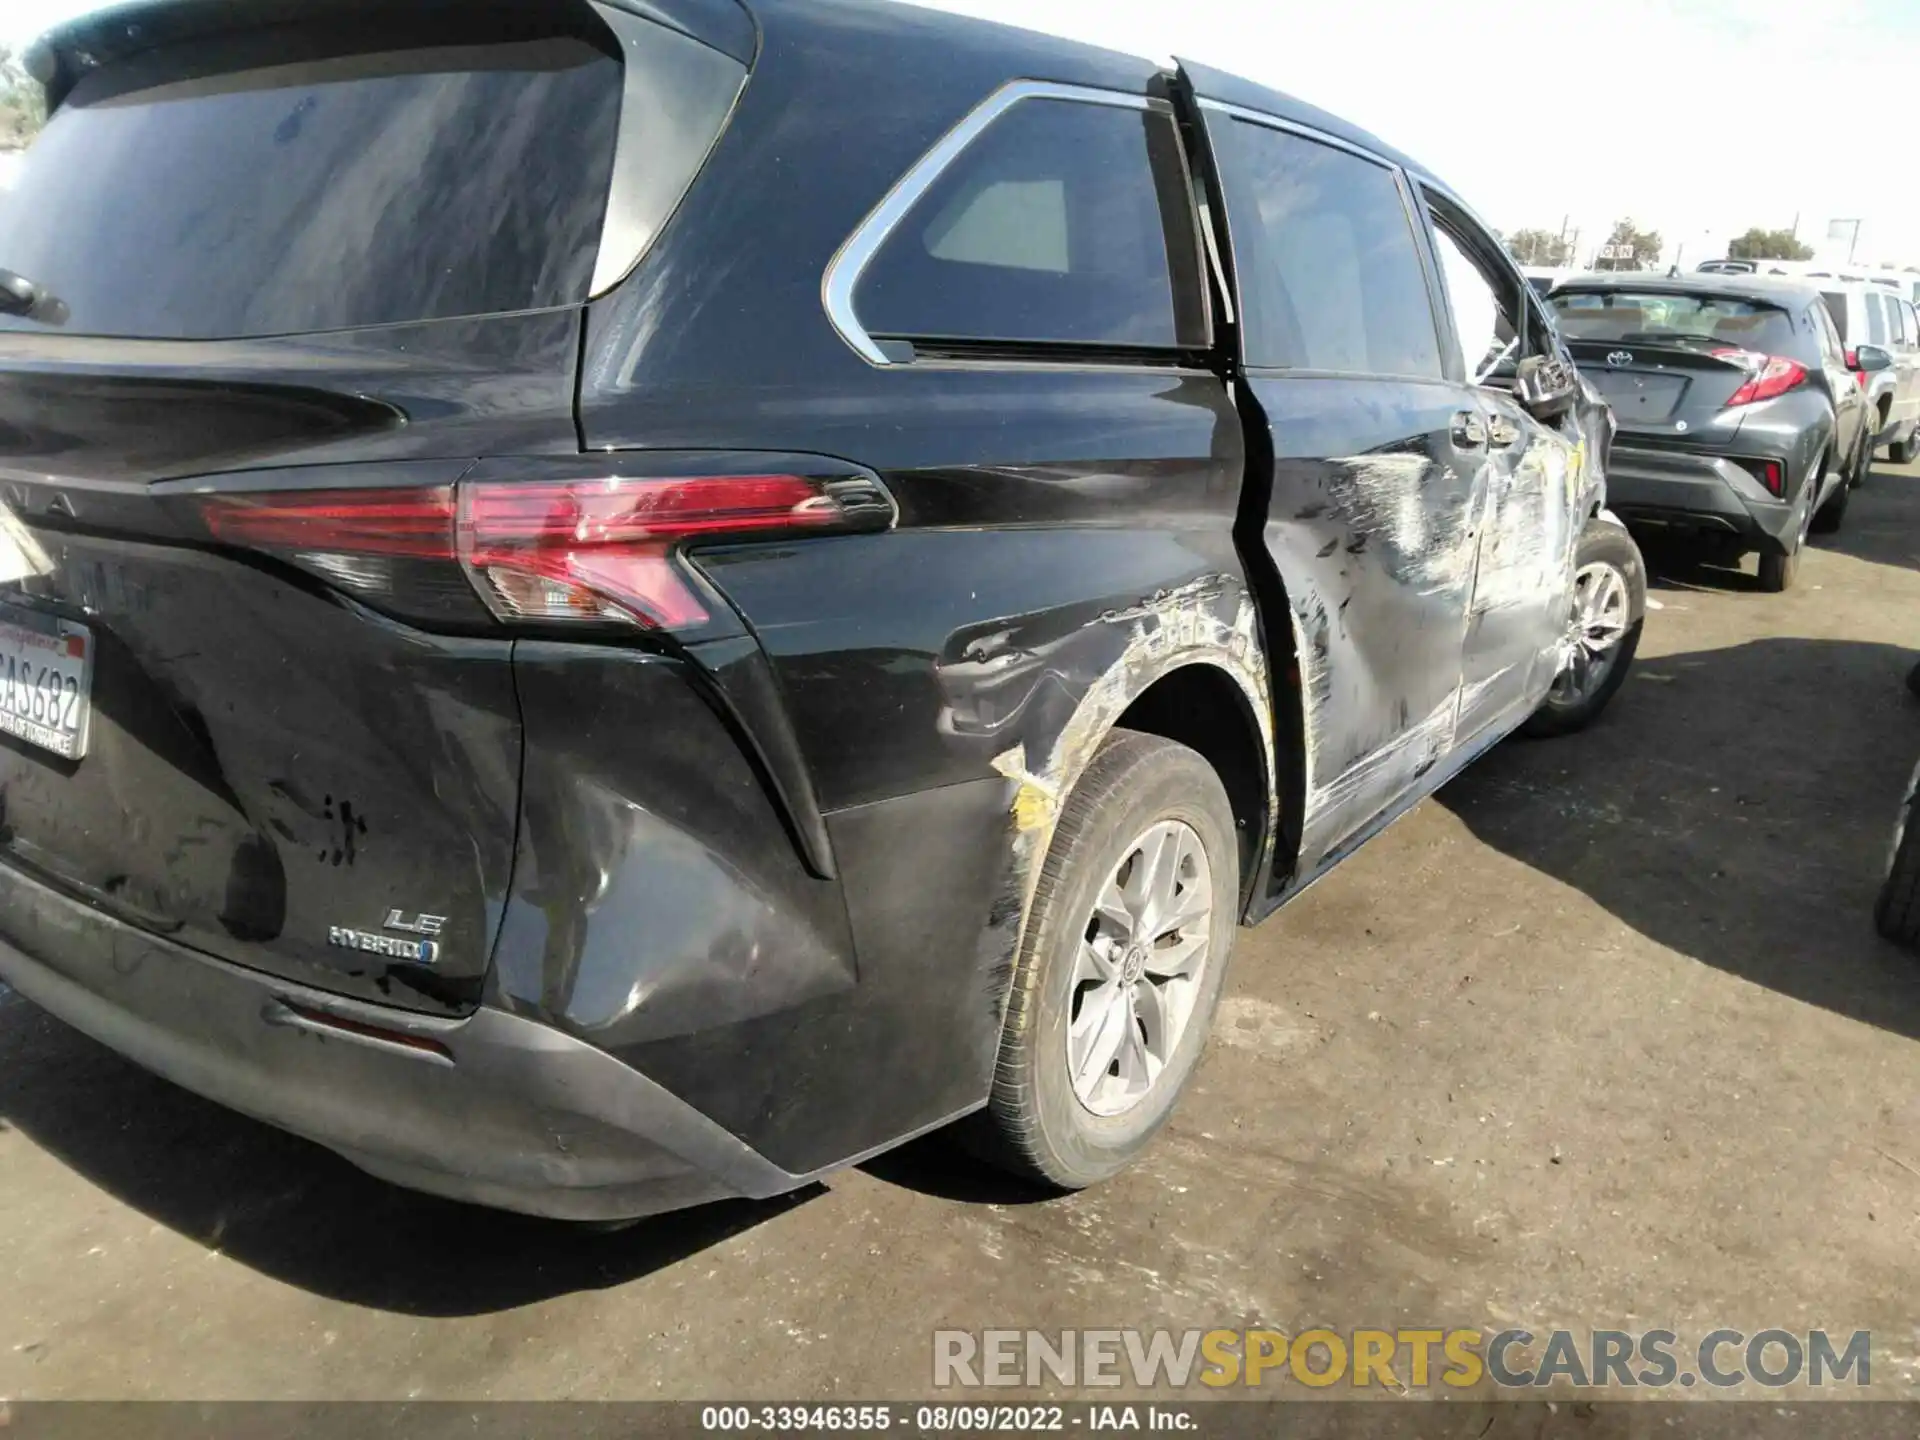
(1853, 234)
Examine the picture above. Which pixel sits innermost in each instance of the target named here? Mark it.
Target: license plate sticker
(46, 681)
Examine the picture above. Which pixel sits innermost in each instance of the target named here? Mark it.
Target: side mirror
(1873, 357)
(1546, 386)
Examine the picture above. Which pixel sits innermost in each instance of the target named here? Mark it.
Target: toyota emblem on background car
(1619, 357)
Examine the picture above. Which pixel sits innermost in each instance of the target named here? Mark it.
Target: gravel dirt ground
(1601, 1036)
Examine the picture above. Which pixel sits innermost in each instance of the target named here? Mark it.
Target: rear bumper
(1699, 493)
(494, 1108)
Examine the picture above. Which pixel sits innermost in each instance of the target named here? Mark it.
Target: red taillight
(1767, 376)
(1853, 364)
(598, 549)
(1769, 473)
(594, 550)
(414, 524)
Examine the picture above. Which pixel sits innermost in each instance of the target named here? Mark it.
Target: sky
(1697, 118)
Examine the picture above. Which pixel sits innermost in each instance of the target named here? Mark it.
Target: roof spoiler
(59, 59)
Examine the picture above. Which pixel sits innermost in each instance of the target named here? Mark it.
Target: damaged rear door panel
(1372, 458)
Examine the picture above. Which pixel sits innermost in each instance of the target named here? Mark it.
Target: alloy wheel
(1594, 629)
(1138, 970)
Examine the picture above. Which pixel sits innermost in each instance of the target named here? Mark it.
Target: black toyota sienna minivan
(604, 605)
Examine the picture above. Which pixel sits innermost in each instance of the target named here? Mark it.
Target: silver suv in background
(1869, 314)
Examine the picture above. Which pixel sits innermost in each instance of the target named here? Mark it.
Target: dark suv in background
(614, 604)
(1743, 422)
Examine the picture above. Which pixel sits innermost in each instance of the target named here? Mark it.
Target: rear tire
(1903, 452)
(1828, 518)
(1059, 1113)
(1778, 571)
(1876, 423)
(1604, 547)
(1896, 914)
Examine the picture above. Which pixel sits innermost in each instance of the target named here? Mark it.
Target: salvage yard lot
(1599, 1037)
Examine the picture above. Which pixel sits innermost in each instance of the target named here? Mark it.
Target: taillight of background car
(1767, 375)
(1769, 473)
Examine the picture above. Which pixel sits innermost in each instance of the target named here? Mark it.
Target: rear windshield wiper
(20, 296)
(1674, 337)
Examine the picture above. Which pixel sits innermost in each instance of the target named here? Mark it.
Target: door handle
(1469, 430)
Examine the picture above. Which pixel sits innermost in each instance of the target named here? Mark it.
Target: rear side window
(1831, 345)
(1836, 303)
(1330, 277)
(1065, 222)
(292, 181)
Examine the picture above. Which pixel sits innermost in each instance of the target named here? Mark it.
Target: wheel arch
(1201, 705)
(1195, 649)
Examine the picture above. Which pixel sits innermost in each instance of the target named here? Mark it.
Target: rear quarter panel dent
(1209, 621)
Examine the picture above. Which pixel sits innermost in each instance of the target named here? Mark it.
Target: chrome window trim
(856, 252)
(1274, 122)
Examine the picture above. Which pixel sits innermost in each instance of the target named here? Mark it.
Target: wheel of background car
(1125, 953)
(1904, 450)
(1896, 913)
(1778, 570)
(1603, 630)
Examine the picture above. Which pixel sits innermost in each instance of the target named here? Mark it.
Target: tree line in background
(22, 102)
(1628, 247)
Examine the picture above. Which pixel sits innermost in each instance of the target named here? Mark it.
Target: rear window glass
(1329, 274)
(1651, 317)
(1064, 222)
(254, 185)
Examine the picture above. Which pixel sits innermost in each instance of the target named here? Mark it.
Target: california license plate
(46, 680)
